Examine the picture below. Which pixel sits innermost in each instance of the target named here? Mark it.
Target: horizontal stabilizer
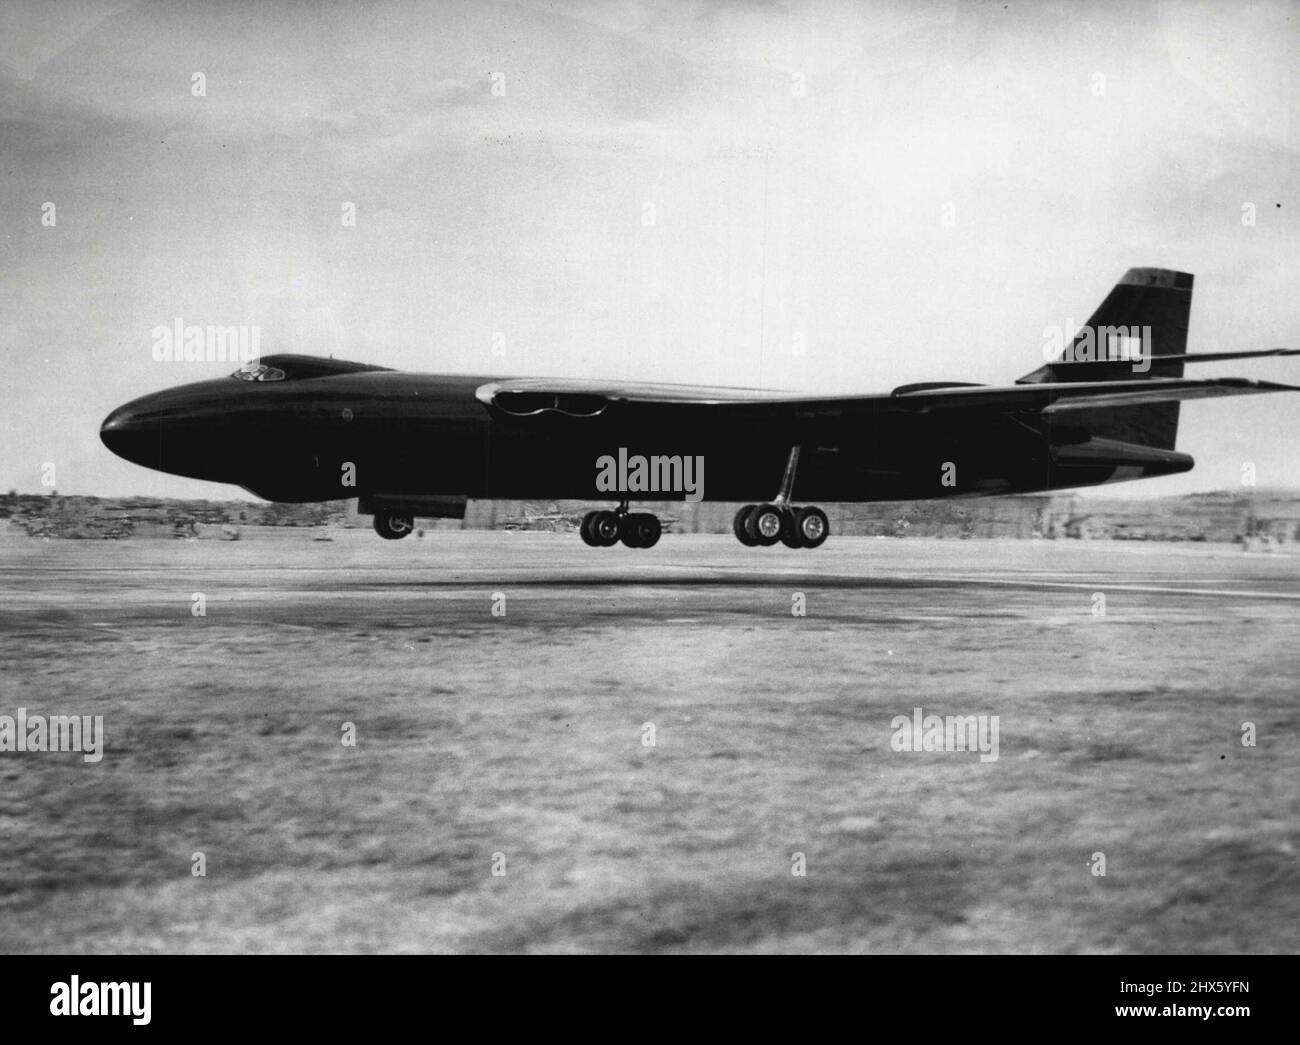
(1119, 367)
(1148, 392)
(1081, 395)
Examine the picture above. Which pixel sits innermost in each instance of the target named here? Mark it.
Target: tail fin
(1143, 318)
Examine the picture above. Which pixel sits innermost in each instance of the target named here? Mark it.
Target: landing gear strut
(763, 525)
(393, 526)
(603, 529)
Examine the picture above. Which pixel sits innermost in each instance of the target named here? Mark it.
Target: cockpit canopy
(255, 371)
(288, 367)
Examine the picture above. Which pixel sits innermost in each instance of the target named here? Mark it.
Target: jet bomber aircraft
(300, 428)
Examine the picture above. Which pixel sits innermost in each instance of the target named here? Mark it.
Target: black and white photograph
(650, 477)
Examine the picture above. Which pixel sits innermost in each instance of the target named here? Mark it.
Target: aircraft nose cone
(129, 435)
(118, 420)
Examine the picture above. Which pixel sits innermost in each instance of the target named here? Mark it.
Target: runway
(503, 687)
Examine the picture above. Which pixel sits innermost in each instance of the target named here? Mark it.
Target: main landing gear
(603, 529)
(765, 524)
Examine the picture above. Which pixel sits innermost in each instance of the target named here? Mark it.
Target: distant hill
(114, 517)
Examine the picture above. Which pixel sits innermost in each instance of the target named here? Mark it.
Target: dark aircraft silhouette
(299, 428)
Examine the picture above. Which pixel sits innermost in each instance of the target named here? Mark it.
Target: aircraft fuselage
(392, 433)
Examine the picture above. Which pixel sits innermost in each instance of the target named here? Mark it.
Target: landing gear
(640, 530)
(600, 529)
(393, 526)
(763, 525)
(603, 529)
(740, 527)
(812, 527)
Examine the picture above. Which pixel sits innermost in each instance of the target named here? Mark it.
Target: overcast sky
(799, 160)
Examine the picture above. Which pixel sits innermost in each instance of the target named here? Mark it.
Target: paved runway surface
(519, 742)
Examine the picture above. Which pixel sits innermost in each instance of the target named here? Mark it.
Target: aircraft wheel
(790, 535)
(813, 526)
(627, 531)
(585, 529)
(393, 526)
(604, 529)
(764, 524)
(641, 530)
(738, 526)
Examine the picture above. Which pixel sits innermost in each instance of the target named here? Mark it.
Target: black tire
(738, 526)
(764, 525)
(627, 531)
(646, 528)
(585, 529)
(393, 526)
(604, 529)
(790, 536)
(813, 527)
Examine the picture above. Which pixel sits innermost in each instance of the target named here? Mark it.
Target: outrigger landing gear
(766, 524)
(393, 526)
(603, 529)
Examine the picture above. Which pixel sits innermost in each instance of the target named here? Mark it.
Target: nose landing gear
(603, 529)
(763, 525)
